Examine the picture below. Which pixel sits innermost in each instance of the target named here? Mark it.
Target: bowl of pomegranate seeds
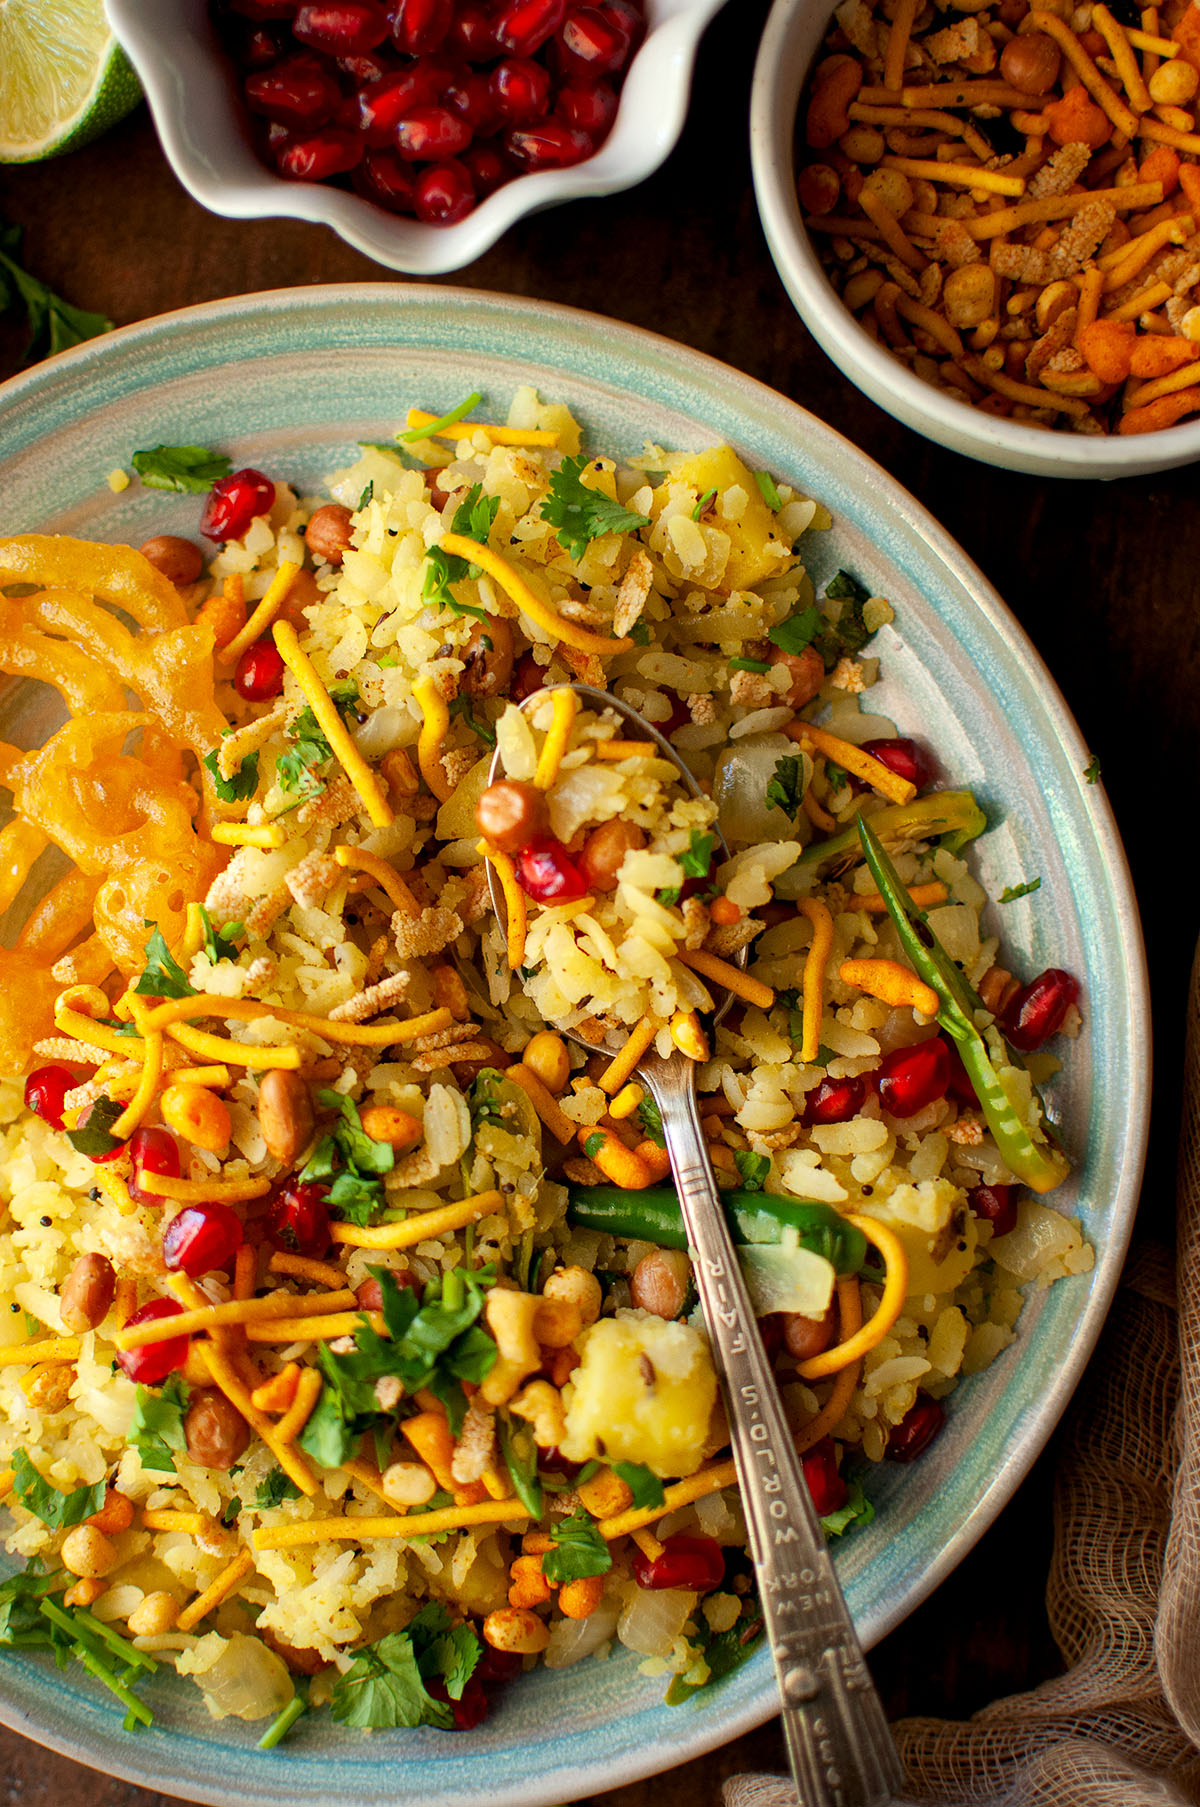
(420, 130)
(989, 217)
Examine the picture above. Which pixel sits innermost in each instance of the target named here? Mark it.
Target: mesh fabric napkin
(1122, 1727)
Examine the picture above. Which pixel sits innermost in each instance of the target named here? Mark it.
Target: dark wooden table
(1106, 578)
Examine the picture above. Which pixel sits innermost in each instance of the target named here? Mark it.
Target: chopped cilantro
(416, 434)
(352, 1160)
(749, 665)
(1011, 892)
(34, 1615)
(297, 770)
(191, 469)
(639, 633)
(668, 895)
(858, 1510)
(156, 1428)
(579, 1550)
(461, 706)
(244, 782)
(280, 1726)
(220, 944)
(849, 633)
(835, 777)
(702, 503)
(768, 491)
(1091, 770)
(642, 1482)
(366, 496)
(163, 977)
(232, 1510)
(696, 861)
(93, 1136)
(753, 1168)
(580, 514)
(651, 1121)
(520, 1458)
(723, 1651)
(475, 515)
(56, 1509)
(386, 1685)
(274, 1490)
(442, 570)
(54, 325)
(786, 789)
(797, 632)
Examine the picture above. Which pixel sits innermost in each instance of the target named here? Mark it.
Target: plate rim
(696, 371)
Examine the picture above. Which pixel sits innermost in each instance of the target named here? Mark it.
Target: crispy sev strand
(1104, 97)
(232, 1311)
(561, 1127)
(1022, 392)
(518, 591)
(897, 44)
(263, 615)
(923, 896)
(306, 1267)
(214, 1078)
(958, 175)
(1003, 220)
(53, 1349)
(435, 725)
(368, 1475)
(1162, 133)
(248, 834)
(816, 961)
(697, 1487)
(332, 726)
(221, 1588)
(315, 1329)
(1140, 303)
(75, 1023)
(112, 1184)
(302, 1407)
(222, 1048)
(1122, 55)
(1122, 268)
(165, 1518)
(852, 759)
(357, 859)
(1184, 378)
(891, 983)
(565, 705)
(515, 909)
(819, 817)
(289, 1458)
(891, 231)
(937, 328)
(895, 1290)
(230, 1192)
(836, 1406)
(245, 1271)
(152, 1066)
(425, 1227)
(952, 94)
(624, 749)
(249, 1010)
(417, 417)
(1091, 287)
(620, 1068)
(731, 977)
(412, 1524)
(1148, 40)
(648, 1544)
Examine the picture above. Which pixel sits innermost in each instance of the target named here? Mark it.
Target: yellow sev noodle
(514, 903)
(530, 605)
(233, 1311)
(411, 1524)
(422, 1228)
(565, 705)
(814, 974)
(262, 617)
(226, 1377)
(247, 1010)
(332, 726)
(219, 1590)
(463, 429)
(435, 725)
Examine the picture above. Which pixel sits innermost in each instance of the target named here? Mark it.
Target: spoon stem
(839, 1747)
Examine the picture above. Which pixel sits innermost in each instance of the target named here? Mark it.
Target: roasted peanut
(285, 1114)
(216, 1432)
(804, 1337)
(408, 1483)
(660, 1282)
(517, 1629)
(178, 560)
(87, 1552)
(511, 813)
(154, 1616)
(969, 295)
(488, 657)
(546, 1055)
(384, 1123)
(1174, 84)
(327, 535)
(87, 1293)
(575, 1286)
(807, 674)
(1031, 62)
(604, 851)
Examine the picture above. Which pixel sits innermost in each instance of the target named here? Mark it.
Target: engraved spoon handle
(839, 1747)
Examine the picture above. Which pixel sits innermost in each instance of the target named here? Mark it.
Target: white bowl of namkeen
(988, 215)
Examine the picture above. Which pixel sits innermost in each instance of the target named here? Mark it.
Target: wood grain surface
(1106, 579)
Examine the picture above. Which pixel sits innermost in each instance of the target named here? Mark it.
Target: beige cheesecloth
(1122, 1727)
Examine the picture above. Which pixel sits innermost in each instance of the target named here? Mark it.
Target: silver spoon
(839, 1748)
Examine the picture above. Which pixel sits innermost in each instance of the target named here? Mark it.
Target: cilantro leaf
(21, 1622)
(163, 977)
(698, 858)
(786, 789)
(54, 1508)
(768, 491)
(579, 1550)
(365, 496)
(580, 514)
(296, 770)
(1091, 770)
(753, 1168)
(702, 503)
(93, 1136)
(520, 1458)
(857, 1510)
(274, 1490)
(749, 665)
(642, 1482)
(232, 1510)
(849, 633)
(220, 944)
(360, 1149)
(461, 706)
(244, 782)
(1011, 892)
(835, 777)
(797, 632)
(651, 1121)
(723, 1651)
(668, 895)
(54, 324)
(452, 1653)
(156, 1428)
(351, 1159)
(190, 469)
(475, 515)
(441, 570)
(384, 1688)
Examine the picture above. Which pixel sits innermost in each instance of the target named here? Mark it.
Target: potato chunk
(644, 1392)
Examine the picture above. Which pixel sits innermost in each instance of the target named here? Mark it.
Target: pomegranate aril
(325, 154)
(521, 91)
(201, 1239)
(151, 1364)
(258, 47)
(300, 93)
(258, 675)
(525, 26)
(371, 66)
(470, 96)
(498, 1665)
(593, 41)
(45, 1092)
(341, 27)
(382, 105)
(233, 502)
(473, 34)
(547, 146)
(911, 1078)
(152, 1151)
(419, 26)
(431, 135)
(825, 1485)
(916, 1430)
(265, 9)
(693, 1562)
(906, 758)
(527, 677)
(546, 871)
(835, 1100)
(382, 177)
(444, 193)
(1039, 1009)
(587, 107)
(998, 1204)
(297, 1219)
(489, 169)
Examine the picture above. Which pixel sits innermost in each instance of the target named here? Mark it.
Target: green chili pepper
(522, 1468)
(653, 1215)
(954, 817)
(1035, 1161)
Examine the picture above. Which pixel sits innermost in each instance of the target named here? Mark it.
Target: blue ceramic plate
(289, 382)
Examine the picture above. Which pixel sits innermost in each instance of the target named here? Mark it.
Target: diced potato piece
(644, 1392)
(755, 550)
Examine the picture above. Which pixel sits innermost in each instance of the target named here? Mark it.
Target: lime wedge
(63, 77)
